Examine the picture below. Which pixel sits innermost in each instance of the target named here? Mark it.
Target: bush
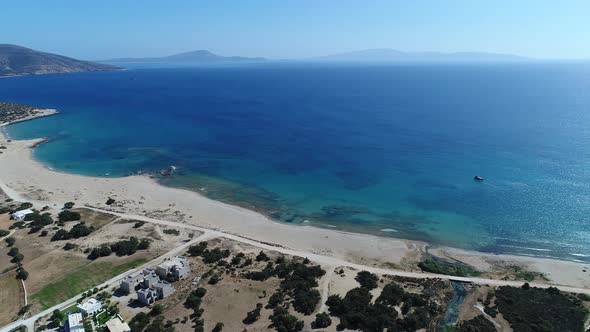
(143, 244)
(536, 309)
(367, 280)
(139, 223)
(3, 232)
(322, 320)
(476, 324)
(262, 257)
(110, 201)
(68, 205)
(252, 316)
(171, 232)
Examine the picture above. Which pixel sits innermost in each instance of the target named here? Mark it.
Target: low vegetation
(440, 266)
(357, 310)
(535, 309)
(78, 231)
(476, 324)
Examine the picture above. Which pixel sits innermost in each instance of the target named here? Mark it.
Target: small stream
(452, 315)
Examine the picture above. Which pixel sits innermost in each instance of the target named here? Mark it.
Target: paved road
(333, 261)
(30, 322)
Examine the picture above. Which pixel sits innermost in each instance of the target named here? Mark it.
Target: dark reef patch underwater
(388, 150)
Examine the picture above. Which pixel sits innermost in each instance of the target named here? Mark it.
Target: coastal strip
(25, 179)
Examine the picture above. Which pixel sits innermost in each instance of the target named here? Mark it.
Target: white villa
(75, 323)
(20, 215)
(89, 307)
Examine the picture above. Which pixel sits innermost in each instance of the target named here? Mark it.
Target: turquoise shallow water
(390, 150)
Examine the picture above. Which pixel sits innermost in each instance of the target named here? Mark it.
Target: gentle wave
(579, 255)
(526, 248)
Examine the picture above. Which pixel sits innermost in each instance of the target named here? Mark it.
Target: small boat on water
(478, 178)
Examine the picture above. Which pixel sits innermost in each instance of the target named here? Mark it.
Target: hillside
(17, 60)
(193, 57)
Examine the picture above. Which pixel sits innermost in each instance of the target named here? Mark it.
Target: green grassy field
(82, 280)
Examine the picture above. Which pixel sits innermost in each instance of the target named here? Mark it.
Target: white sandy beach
(22, 177)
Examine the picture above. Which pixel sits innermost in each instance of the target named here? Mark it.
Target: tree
(367, 280)
(22, 274)
(18, 258)
(67, 215)
(218, 327)
(198, 249)
(139, 322)
(57, 317)
(322, 320)
(10, 241)
(157, 310)
(285, 322)
(13, 251)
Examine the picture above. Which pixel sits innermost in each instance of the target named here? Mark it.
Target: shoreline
(22, 177)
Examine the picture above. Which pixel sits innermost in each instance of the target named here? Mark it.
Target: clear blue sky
(296, 28)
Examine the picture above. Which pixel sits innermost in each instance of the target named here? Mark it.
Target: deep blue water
(360, 148)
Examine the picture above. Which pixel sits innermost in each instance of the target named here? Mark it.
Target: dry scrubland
(56, 274)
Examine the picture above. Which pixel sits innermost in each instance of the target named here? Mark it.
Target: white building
(75, 323)
(117, 325)
(174, 268)
(20, 215)
(89, 307)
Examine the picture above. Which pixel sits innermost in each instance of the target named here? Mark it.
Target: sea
(390, 150)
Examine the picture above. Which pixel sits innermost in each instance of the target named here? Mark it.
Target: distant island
(17, 60)
(193, 57)
(392, 55)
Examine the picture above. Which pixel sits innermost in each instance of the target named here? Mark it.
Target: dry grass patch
(11, 297)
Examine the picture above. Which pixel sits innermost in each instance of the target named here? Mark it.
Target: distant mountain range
(193, 57)
(17, 60)
(391, 55)
(367, 56)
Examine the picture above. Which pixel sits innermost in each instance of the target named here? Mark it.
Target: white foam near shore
(388, 230)
(21, 177)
